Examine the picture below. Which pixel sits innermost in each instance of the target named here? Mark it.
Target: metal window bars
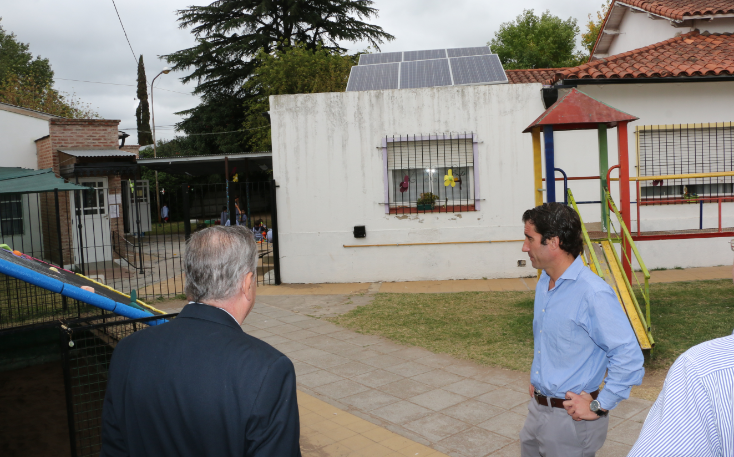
(420, 171)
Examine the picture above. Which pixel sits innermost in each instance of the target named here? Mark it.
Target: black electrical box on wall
(360, 231)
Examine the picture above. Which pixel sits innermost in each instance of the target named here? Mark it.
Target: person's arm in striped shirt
(682, 421)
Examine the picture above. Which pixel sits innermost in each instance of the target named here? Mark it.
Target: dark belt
(556, 402)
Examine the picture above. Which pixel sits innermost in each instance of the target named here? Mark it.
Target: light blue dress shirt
(581, 331)
(694, 414)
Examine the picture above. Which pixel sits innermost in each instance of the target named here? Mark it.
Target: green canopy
(24, 181)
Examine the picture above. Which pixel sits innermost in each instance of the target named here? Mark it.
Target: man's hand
(532, 391)
(577, 406)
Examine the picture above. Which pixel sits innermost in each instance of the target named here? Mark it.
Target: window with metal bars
(11, 214)
(685, 149)
(433, 173)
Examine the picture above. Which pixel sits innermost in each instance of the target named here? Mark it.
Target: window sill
(436, 209)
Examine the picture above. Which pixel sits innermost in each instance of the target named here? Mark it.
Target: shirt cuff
(609, 400)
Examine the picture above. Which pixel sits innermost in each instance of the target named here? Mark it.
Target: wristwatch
(595, 406)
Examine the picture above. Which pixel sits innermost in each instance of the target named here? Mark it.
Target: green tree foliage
(28, 82)
(593, 27)
(531, 41)
(294, 70)
(16, 59)
(230, 33)
(142, 114)
(27, 92)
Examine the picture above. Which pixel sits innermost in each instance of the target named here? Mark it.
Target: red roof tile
(681, 9)
(532, 75)
(691, 54)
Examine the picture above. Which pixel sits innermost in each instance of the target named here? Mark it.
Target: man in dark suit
(199, 385)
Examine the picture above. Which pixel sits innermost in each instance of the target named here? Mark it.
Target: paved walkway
(439, 404)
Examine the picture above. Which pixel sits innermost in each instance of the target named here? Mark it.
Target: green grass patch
(495, 328)
(684, 314)
(491, 328)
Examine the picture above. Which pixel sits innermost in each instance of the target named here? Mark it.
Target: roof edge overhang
(571, 83)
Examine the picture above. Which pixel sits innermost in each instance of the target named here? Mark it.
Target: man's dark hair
(557, 219)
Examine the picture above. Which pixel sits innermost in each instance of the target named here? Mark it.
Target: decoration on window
(405, 184)
(449, 180)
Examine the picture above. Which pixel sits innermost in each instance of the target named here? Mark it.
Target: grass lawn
(495, 328)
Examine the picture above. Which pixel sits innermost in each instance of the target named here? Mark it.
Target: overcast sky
(83, 40)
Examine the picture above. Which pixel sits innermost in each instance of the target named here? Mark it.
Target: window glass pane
(11, 214)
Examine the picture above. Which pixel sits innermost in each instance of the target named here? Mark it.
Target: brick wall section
(134, 148)
(72, 134)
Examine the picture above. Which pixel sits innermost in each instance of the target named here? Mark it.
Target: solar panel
(425, 73)
(373, 77)
(426, 68)
(477, 70)
(383, 57)
(464, 52)
(409, 56)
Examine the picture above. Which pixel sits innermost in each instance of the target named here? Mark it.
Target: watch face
(594, 406)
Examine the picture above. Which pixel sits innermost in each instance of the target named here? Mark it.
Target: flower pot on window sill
(425, 207)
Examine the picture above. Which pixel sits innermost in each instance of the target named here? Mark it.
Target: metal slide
(601, 256)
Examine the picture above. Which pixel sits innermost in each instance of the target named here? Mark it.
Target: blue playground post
(550, 175)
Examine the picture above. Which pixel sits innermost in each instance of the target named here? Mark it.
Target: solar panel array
(427, 68)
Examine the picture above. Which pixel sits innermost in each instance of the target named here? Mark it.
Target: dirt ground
(33, 419)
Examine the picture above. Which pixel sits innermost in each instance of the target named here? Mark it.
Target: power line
(118, 84)
(212, 133)
(123, 31)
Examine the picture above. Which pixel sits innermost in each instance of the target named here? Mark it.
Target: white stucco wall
(655, 104)
(329, 167)
(31, 240)
(637, 30)
(18, 133)
(328, 164)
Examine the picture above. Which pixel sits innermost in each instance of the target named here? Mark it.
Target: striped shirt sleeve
(682, 421)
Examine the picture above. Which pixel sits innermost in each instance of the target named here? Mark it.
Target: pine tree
(145, 136)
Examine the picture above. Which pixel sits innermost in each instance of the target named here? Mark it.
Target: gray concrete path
(456, 407)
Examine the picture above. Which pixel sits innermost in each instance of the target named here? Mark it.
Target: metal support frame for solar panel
(426, 68)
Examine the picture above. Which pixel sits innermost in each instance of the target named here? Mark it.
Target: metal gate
(86, 351)
(251, 204)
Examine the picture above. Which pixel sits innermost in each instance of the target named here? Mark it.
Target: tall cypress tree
(145, 136)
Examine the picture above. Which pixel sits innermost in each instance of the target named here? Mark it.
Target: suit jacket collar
(207, 313)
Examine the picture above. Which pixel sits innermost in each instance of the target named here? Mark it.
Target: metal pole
(550, 178)
(61, 245)
(186, 212)
(155, 150)
(603, 167)
(700, 217)
(624, 192)
(537, 167)
(274, 228)
(65, 348)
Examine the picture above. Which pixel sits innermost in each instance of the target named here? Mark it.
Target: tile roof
(691, 54)
(681, 9)
(532, 75)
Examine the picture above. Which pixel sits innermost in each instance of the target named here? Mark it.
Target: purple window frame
(386, 177)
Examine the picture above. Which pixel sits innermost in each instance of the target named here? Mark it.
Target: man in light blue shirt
(580, 332)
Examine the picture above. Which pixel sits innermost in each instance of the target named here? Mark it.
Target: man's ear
(554, 243)
(248, 288)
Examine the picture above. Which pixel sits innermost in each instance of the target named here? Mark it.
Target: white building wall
(18, 133)
(329, 168)
(637, 30)
(655, 104)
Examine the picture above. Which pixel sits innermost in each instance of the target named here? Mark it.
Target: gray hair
(216, 262)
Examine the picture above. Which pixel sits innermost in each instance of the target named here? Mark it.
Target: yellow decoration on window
(449, 180)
